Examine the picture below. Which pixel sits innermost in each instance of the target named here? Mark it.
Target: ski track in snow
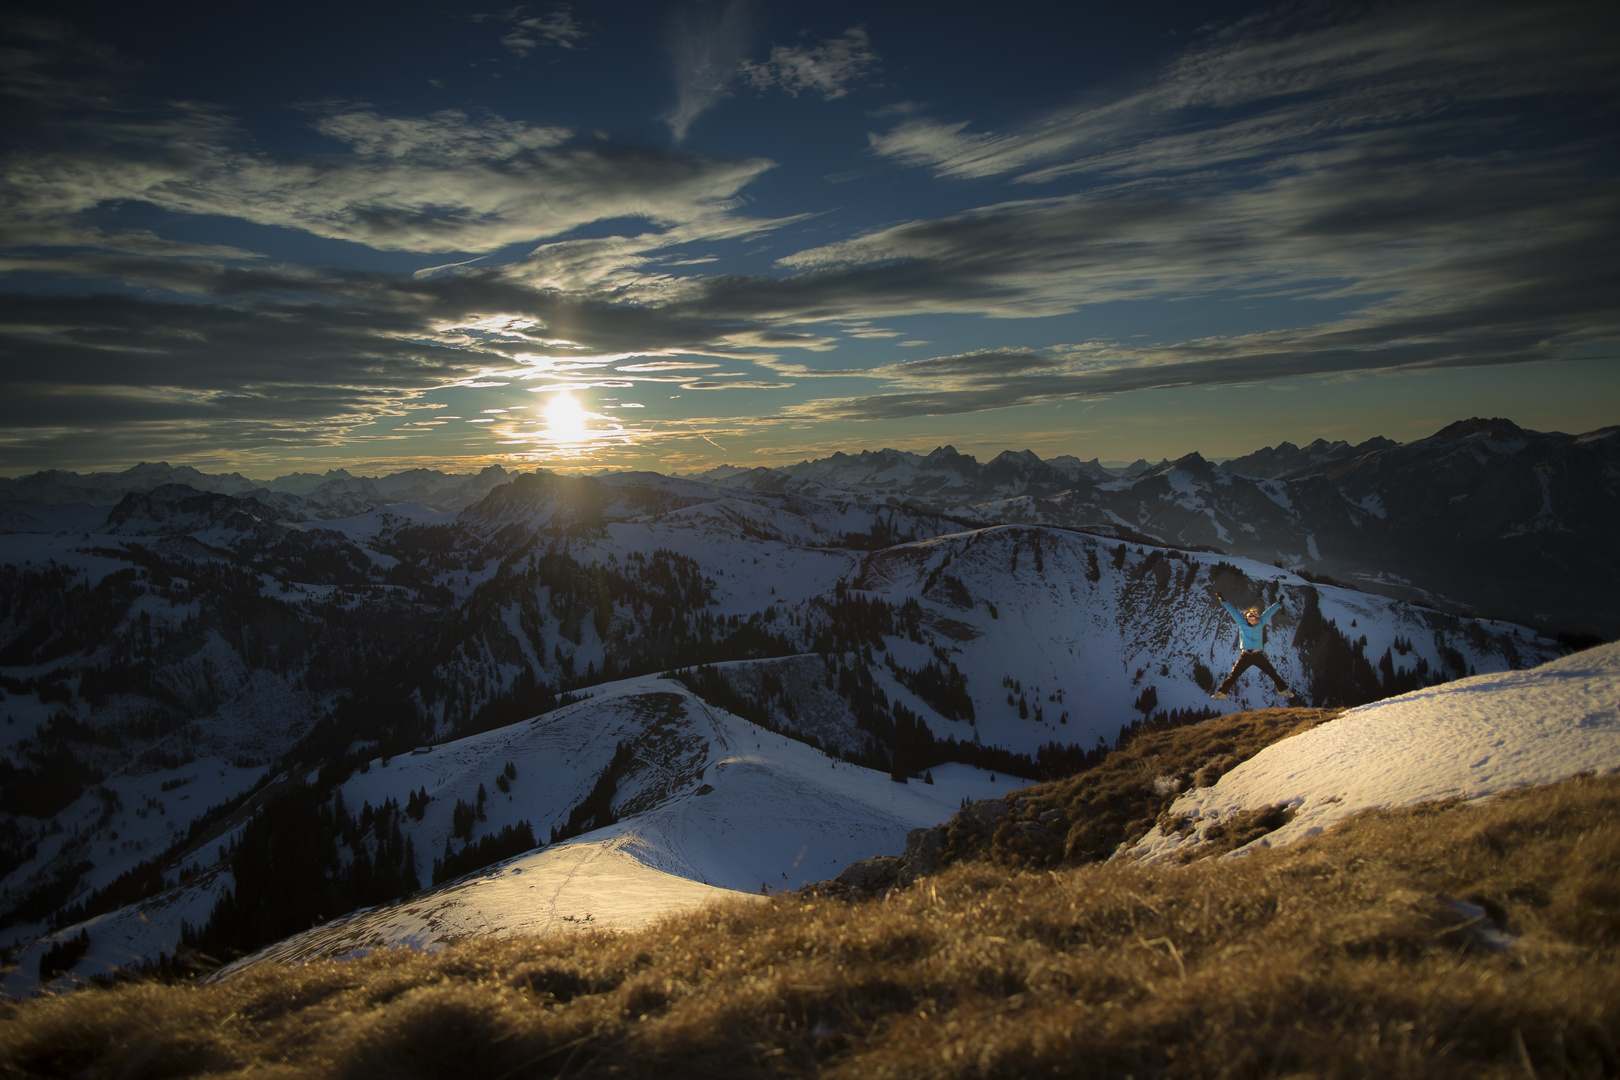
(1471, 739)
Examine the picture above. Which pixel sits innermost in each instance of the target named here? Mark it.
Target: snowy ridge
(712, 806)
(1096, 625)
(1469, 739)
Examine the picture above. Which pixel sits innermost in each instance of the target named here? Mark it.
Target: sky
(667, 236)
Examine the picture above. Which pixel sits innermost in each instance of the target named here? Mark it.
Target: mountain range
(1482, 518)
(188, 673)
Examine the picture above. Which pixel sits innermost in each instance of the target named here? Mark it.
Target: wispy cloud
(827, 69)
(706, 44)
(1507, 326)
(557, 28)
(735, 384)
(1314, 74)
(446, 182)
(450, 181)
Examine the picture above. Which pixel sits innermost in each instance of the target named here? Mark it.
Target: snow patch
(1473, 738)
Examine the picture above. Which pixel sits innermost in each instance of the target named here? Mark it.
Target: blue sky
(669, 236)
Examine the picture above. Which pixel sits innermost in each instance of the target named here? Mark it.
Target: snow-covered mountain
(943, 478)
(160, 668)
(1290, 462)
(1483, 517)
(55, 487)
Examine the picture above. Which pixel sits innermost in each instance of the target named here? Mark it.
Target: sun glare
(566, 422)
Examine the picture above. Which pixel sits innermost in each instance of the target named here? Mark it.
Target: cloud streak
(1313, 78)
(1506, 325)
(706, 44)
(447, 182)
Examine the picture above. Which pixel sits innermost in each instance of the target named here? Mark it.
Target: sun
(565, 421)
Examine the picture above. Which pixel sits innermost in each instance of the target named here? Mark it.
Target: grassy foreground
(1340, 956)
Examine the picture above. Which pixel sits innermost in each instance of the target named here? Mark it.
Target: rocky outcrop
(1087, 817)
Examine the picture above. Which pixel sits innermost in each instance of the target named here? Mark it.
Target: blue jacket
(1251, 637)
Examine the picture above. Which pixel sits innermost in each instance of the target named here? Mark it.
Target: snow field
(1471, 739)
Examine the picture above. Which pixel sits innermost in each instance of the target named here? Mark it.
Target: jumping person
(1251, 626)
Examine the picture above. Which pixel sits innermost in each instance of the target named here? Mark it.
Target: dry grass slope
(1343, 956)
(1084, 818)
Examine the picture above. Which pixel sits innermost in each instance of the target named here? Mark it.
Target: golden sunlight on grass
(1358, 953)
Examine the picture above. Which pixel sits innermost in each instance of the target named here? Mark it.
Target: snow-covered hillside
(1089, 630)
(708, 805)
(715, 807)
(1468, 739)
(159, 667)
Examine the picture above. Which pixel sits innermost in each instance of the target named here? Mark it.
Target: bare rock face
(875, 875)
(981, 815)
(924, 848)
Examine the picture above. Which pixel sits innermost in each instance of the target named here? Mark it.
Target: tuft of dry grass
(1347, 955)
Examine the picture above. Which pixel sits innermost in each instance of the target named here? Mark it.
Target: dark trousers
(1247, 659)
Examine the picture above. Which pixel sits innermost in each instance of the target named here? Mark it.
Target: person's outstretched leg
(1242, 665)
(1277, 682)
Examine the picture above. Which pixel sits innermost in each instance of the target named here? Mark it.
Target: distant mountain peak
(1474, 427)
(1028, 457)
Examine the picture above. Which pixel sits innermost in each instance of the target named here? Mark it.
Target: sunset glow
(566, 422)
(787, 230)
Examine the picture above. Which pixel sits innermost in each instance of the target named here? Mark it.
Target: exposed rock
(982, 814)
(1093, 814)
(873, 875)
(924, 848)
